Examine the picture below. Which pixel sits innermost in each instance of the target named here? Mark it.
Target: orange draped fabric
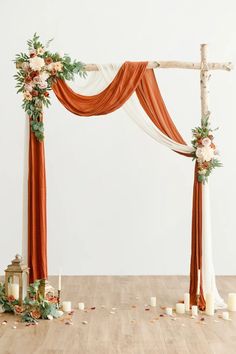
(152, 102)
(131, 77)
(37, 223)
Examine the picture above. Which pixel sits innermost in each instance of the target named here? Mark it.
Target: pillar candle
(187, 301)
(153, 301)
(13, 289)
(232, 301)
(180, 308)
(169, 311)
(210, 309)
(225, 315)
(194, 310)
(198, 281)
(59, 282)
(81, 306)
(66, 306)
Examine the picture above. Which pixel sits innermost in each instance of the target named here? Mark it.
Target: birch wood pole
(204, 79)
(175, 65)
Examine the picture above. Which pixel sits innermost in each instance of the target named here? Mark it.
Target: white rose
(206, 142)
(44, 76)
(36, 63)
(50, 67)
(43, 84)
(205, 153)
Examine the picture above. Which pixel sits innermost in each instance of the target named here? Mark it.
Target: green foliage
(36, 95)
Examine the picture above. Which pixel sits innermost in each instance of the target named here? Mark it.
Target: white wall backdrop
(119, 203)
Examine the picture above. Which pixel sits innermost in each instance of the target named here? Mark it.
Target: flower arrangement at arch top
(37, 70)
(205, 151)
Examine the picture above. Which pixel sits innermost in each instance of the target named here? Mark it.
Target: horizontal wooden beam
(176, 65)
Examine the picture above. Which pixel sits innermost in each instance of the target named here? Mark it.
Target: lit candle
(194, 310)
(225, 315)
(13, 289)
(153, 301)
(66, 306)
(232, 301)
(180, 308)
(81, 306)
(169, 311)
(210, 309)
(187, 301)
(198, 281)
(59, 282)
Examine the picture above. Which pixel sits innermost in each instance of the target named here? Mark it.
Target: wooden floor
(129, 329)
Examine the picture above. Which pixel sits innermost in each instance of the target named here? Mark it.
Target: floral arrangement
(34, 306)
(205, 150)
(37, 70)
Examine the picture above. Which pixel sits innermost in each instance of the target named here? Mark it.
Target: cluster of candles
(181, 308)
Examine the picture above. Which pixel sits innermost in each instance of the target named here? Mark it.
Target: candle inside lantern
(81, 306)
(66, 306)
(180, 308)
(13, 289)
(194, 310)
(187, 301)
(169, 311)
(225, 315)
(210, 309)
(232, 301)
(153, 301)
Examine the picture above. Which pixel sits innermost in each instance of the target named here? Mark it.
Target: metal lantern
(17, 279)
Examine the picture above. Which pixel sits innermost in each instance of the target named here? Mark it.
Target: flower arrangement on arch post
(205, 151)
(37, 70)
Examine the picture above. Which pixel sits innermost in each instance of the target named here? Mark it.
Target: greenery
(204, 146)
(34, 307)
(37, 70)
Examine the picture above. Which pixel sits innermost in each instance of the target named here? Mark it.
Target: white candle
(59, 282)
(180, 308)
(232, 301)
(169, 311)
(153, 301)
(225, 315)
(194, 310)
(66, 306)
(81, 306)
(187, 301)
(13, 289)
(198, 281)
(210, 309)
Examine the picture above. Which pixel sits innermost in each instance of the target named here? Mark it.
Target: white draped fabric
(98, 81)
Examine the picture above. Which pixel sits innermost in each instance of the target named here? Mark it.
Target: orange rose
(34, 93)
(48, 60)
(11, 298)
(18, 309)
(35, 314)
(46, 94)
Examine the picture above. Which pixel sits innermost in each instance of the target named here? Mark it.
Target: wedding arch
(132, 86)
